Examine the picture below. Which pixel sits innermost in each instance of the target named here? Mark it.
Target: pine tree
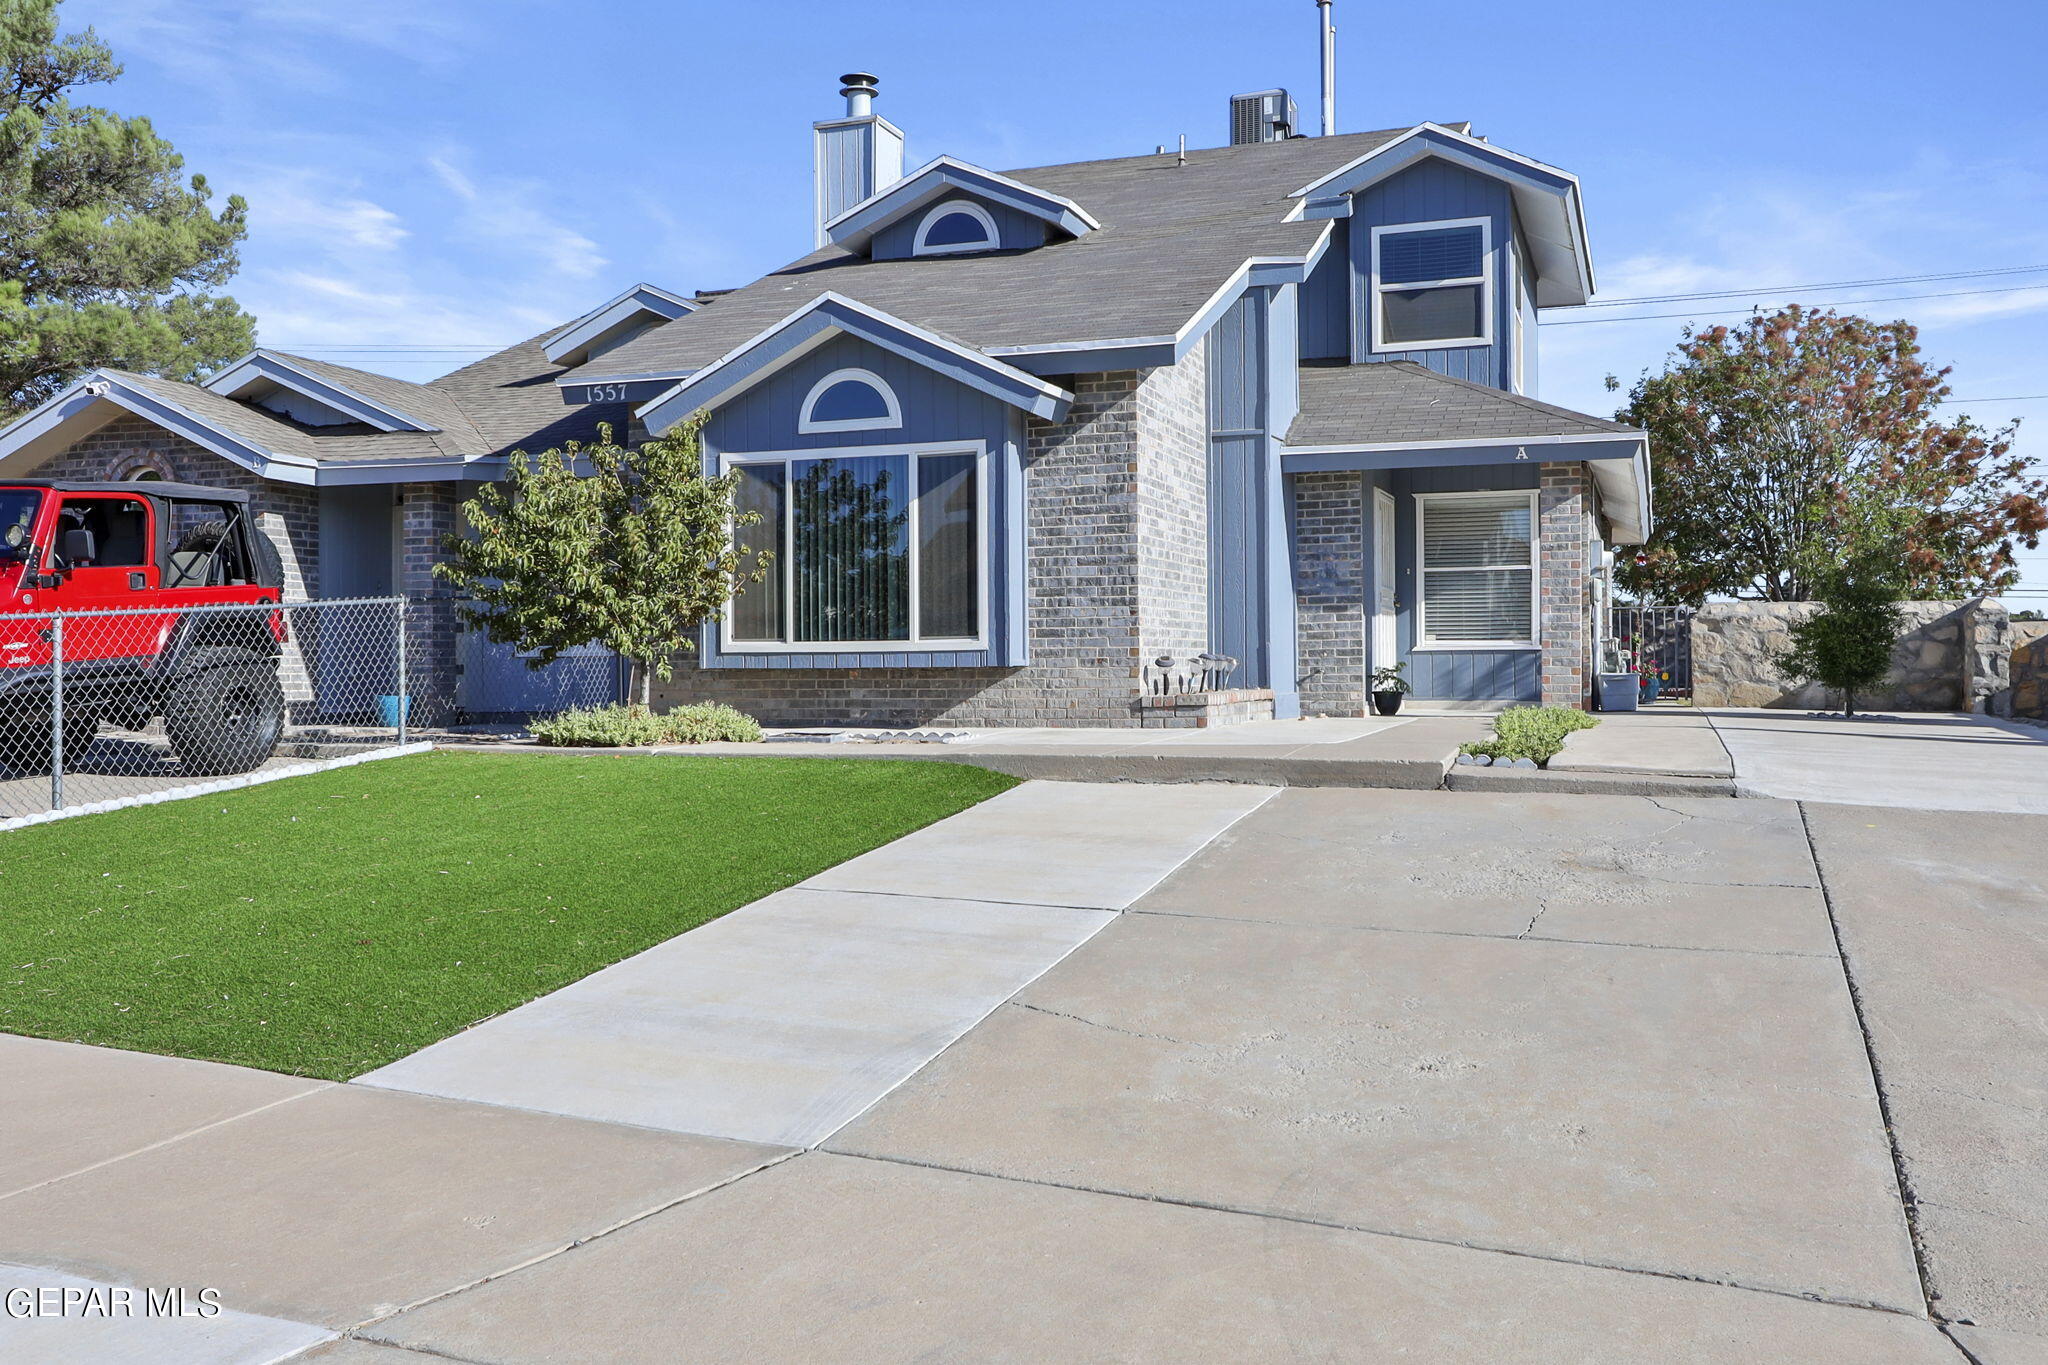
(107, 253)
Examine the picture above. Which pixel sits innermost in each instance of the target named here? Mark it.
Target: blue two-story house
(1024, 443)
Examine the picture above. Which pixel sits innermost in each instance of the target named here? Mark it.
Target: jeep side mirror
(78, 547)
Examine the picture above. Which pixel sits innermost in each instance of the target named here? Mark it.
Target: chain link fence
(99, 705)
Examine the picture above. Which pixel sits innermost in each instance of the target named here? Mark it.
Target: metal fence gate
(100, 706)
(1661, 640)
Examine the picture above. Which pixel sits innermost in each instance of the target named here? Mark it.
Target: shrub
(1847, 645)
(610, 727)
(1533, 732)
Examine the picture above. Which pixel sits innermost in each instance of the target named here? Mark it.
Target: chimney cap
(857, 80)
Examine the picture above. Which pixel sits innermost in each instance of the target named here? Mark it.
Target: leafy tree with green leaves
(631, 549)
(106, 251)
(1847, 644)
(1781, 445)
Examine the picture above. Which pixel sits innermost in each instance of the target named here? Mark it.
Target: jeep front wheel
(226, 718)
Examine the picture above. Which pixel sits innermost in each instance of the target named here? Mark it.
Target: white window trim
(1423, 644)
(806, 425)
(917, 643)
(1484, 279)
(993, 241)
(1519, 332)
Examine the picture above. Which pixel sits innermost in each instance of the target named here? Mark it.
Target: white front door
(1384, 654)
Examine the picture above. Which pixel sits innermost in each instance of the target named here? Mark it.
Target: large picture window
(1476, 570)
(872, 548)
(1432, 285)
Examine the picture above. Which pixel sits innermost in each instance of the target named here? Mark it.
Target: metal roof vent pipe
(853, 157)
(1329, 36)
(859, 89)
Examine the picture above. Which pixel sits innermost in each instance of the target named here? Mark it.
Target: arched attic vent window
(958, 225)
(850, 400)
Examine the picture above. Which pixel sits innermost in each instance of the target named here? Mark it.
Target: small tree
(1847, 644)
(1779, 443)
(633, 551)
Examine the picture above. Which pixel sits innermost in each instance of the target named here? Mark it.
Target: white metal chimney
(1329, 67)
(854, 156)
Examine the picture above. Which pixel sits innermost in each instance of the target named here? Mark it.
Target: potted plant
(1388, 687)
(1652, 681)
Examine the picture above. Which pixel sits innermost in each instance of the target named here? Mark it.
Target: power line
(1745, 312)
(1828, 284)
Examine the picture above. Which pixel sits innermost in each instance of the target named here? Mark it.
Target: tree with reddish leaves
(1789, 445)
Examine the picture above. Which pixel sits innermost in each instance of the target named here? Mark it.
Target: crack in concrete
(1542, 908)
(1107, 1028)
(1231, 1210)
(1908, 1200)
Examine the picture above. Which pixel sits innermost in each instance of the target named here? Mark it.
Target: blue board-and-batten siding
(1433, 191)
(1253, 366)
(1015, 229)
(935, 410)
(1455, 674)
(1325, 332)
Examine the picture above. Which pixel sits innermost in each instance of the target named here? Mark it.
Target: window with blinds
(1432, 285)
(1477, 569)
(869, 549)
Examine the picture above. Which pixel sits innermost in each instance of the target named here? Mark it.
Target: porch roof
(1398, 400)
(1397, 414)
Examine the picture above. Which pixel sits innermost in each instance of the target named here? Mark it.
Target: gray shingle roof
(421, 402)
(504, 402)
(1170, 237)
(1399, 400)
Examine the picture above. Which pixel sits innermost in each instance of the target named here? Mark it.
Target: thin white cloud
(508, 213)
(227, 44)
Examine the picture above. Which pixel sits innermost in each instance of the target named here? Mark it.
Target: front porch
(1456, 532)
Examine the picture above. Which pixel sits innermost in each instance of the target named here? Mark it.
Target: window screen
(1431, 286)
(1478, 569)
(1436, 254)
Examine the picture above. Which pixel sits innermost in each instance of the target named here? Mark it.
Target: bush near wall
(1952, 656)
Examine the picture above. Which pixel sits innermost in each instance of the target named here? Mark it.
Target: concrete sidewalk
(782, 1020)
(1920, 760)
(1412, 753)
(1334, 1074)
(1669, 741)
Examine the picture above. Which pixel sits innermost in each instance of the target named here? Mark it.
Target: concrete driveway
(1918, 760)
(1367, 1075)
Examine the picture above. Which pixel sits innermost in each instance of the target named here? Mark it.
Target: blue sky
(463, 174)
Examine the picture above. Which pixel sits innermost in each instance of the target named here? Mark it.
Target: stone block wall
(1952, 656)
(1117, 571)
(2027, 668)
(1330, 591)
(1568, 513)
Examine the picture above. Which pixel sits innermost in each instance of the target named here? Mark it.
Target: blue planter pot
(389, 709)
(1652, 685)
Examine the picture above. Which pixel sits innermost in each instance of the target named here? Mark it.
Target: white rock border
(214, 788)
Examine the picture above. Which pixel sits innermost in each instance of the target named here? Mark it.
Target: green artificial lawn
(326, 925)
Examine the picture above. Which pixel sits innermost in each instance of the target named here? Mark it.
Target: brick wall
(1330, 591)
(1567, 510)
(288, 513)
(1171, 478)
(1116, 566)
(428, 512)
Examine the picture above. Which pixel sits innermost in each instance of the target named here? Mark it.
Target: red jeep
(148, 551)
